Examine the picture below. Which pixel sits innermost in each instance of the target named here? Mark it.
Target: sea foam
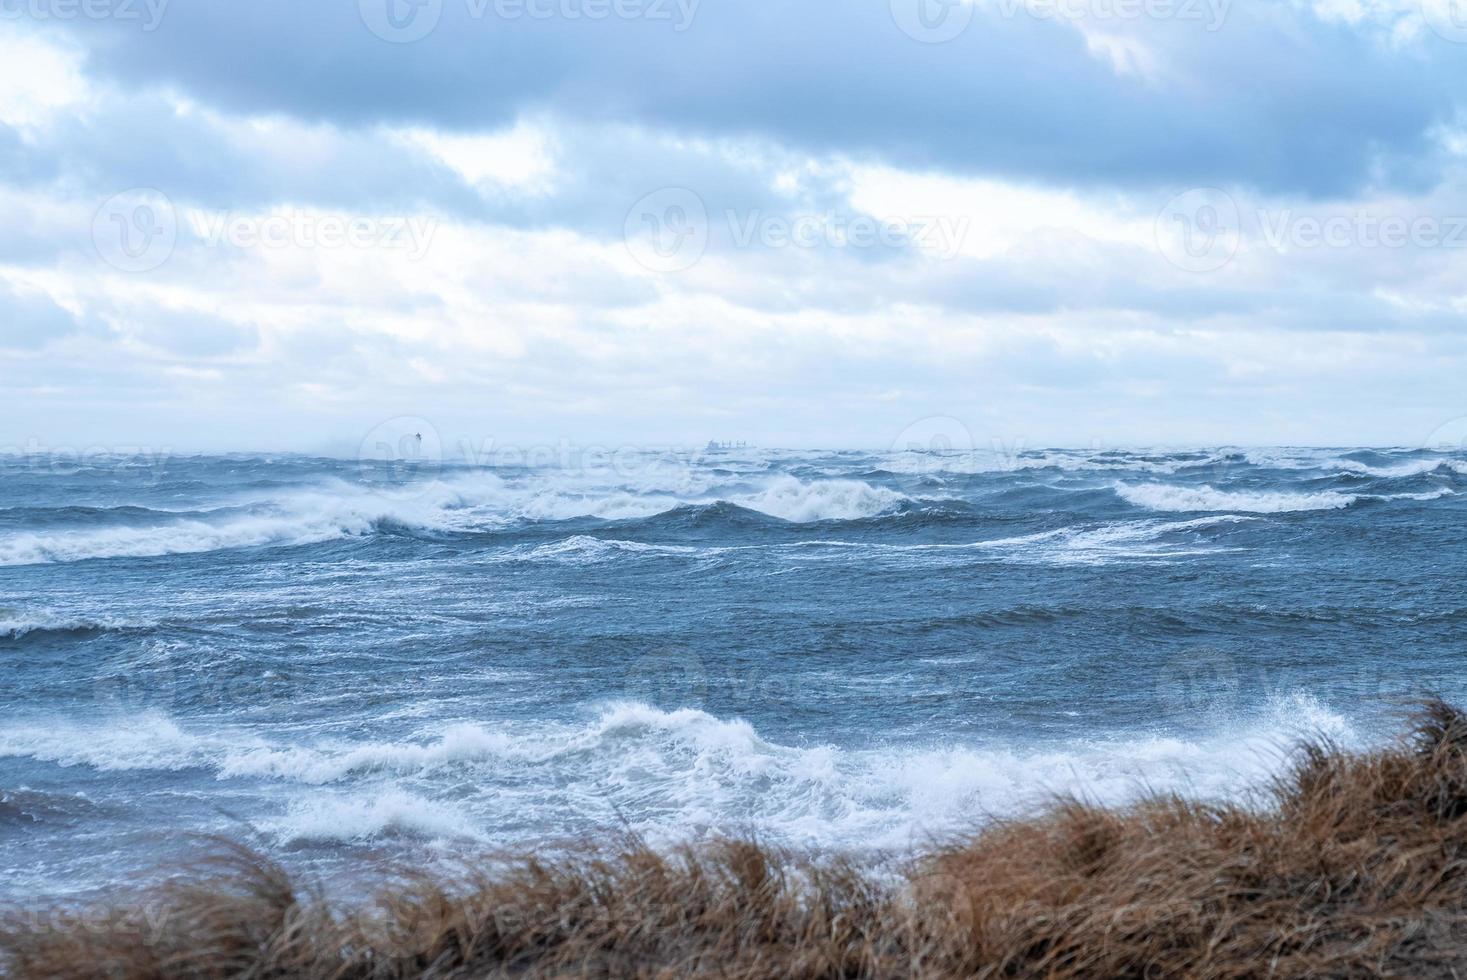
(681, 773)
(475, 502)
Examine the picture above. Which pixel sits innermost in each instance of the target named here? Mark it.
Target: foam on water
(481, 500)
(1074, 461)
(1160, 496)
(351, 818)
(1085, 545)
(1100, 544)
(581, 549)
(15, 623)
(478, 502)
(679, 774)
(869, 647)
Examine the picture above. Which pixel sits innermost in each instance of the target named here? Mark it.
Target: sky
(285, 226)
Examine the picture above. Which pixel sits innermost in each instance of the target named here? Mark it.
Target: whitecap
(1161, 496)
(678, 774)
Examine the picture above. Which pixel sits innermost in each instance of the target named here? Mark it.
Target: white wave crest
(300, 517)
(359, 818)
(676, 775)
(476, 502)
(145, 741)
(1161, 496)
(1084, 545)
(581, 549)
(1068, 460)
(460, 743)
(15, 623)
(1414, 467)
(825, 500)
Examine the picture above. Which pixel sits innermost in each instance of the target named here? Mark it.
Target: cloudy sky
(279, 224)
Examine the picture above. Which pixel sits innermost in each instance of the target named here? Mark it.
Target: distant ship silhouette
(714, 447)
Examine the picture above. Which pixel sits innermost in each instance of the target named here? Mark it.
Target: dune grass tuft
(1351, 865)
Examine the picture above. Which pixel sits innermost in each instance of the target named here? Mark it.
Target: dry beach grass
(1350, 865)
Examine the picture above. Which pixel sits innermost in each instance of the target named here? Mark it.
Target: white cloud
(1038, 292)
(39, 78)
(521, 159)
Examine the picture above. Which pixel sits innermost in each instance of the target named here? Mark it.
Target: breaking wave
(484, 502)
(685, 773)
(1161, 496)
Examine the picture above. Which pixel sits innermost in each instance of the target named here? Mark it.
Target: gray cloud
(30, 321)
(1015, 96)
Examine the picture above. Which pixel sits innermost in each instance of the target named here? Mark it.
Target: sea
(358, 660)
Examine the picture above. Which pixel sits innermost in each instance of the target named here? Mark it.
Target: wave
(1161, 496)
(583, 549)
(1409, 468)
(468, 504)
(996, 461)
(28, 806)
(459, 743)
(1099, 544)
(1061, 546)
(675, 775)
(350, 818)
(1166, 497)
(299, 519)
(142, 742)
(827, 500)
(15, 624)
(820, 488)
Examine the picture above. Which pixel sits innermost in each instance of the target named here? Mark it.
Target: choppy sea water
(864, 651)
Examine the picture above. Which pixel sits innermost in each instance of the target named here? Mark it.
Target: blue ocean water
(864, 651)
